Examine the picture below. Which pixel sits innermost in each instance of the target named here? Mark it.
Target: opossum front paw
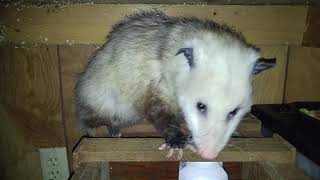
(175, 139)
(172, 155)
(177, 142)
(114, 131)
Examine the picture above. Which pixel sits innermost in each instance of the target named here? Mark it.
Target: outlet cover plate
(54, 163)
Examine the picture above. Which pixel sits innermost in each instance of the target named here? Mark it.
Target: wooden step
(146, 150)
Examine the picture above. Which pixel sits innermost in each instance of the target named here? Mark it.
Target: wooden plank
(233, 169)
(168, 170)
(144, 170)
(30, 109)
(222, 2)
(89, 24)
(72, 60)
(268, 86)
(311, 37)
(146, 150)
(303, 75)
(271, 171)
(262, 2)
(92, 171)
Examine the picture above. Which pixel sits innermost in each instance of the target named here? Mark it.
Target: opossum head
(213, 85)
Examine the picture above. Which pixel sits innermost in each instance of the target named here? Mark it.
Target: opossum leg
(89, 132)
(165, 121)
(89, 120)
(168, 125)
(114, 131)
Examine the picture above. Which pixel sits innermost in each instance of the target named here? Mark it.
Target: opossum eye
(188, 54)
(201, 107)
(232, 113)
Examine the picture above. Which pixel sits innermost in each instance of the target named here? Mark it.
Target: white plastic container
(202, 171)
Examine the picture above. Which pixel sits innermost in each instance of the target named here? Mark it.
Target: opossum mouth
(207, 154)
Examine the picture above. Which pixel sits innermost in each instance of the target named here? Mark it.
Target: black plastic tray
(301, 130)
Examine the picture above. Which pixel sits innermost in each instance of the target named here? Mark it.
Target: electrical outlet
(54, 163)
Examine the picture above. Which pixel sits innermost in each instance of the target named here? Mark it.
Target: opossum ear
(263, 64)
(188, 54)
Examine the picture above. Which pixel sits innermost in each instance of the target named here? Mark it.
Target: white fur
(221, 79)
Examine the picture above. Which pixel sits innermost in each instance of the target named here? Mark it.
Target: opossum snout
(207, 154)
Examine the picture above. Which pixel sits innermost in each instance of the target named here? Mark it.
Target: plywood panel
(30, 109)
(269, 85)
(89, 24)
(303, 83)
(19, 159)
(30, 93)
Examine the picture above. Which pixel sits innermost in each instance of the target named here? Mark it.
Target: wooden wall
(303, 76)
(30, 109)
(36, 80)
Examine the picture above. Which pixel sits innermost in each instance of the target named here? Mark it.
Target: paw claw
(116, 135)
(171, 152)
(191, 147)
(180, 154)
(163, 146)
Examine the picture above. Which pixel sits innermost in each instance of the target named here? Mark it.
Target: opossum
(170, 70)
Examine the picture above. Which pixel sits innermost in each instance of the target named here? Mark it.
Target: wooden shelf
(146, 150)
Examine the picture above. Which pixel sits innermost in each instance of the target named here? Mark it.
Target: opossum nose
(207, 154)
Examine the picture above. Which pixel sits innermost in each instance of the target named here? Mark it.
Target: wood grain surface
(146, 150)
(303, 82)
(30, 109)
(89, 23)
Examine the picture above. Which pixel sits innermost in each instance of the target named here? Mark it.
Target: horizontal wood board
(196, 2)
(90, 23)
(146, 150)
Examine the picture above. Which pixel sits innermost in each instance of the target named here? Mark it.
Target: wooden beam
(146, 149)
(89, 24)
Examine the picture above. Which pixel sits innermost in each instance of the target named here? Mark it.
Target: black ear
(263, 64)
(188, 54)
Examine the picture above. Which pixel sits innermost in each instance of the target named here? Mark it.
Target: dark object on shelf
(292, 123)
